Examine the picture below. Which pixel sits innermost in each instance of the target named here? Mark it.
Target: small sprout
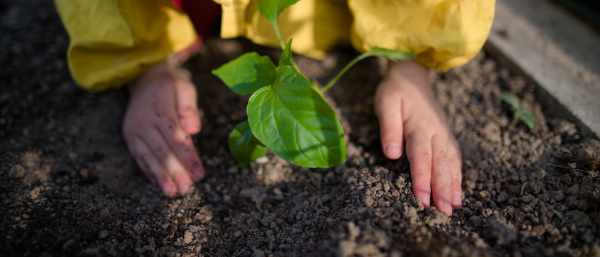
(286, 112)
(519, 110)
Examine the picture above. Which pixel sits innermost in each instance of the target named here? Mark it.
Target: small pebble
(188, 237)
(34, 193)
(346, 248)
(103, 234)
(69, 244)
(368, 201)
(84, 174)
(539, 230)
(258, 253)
(17, 171)
(233, 169)
(400, 183)
(262, 160)
(136, 228)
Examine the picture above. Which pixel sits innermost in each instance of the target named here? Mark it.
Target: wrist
(168, 68)
(408, 68)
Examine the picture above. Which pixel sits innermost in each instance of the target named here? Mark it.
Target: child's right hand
(161, 116)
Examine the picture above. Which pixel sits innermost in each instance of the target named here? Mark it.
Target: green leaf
(244, 147)
(511, 99)
(247, 73)
(271, 9)
(526, 116)
(286, 54)
(389, 54)
(295, 121)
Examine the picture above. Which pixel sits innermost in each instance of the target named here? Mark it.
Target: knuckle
(421, 153)
(171, 124)
(455, 160)
(187, 109)
(390, 127)
(430, 126)
(421, 158)
(160, 151)
(456, 179)
(180, 138)
(158, 110)
(143, 156)
(138, 124)
(142, 163)
(178, 175)
(180, 142)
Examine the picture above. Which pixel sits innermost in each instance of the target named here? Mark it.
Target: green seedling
(286, 112)
(520, 111)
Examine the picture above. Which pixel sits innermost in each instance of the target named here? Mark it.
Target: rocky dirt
(69, 187)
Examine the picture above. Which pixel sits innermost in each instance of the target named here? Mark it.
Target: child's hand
(161, 116)
(407, 108)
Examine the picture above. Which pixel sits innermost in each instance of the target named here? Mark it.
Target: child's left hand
(408, 110)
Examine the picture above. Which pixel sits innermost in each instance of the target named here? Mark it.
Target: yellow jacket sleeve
(317, 26)
(443, 33)
(113, 41)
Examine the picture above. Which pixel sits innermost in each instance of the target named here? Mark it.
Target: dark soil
(69, 187)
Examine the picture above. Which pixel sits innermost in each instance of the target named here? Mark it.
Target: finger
(441, 180)
(130, 140)
(187, 106)
(418, 151)
(181, 143)
(148, 162)
(389, 112)
(179, 140)
(131, 143)
(455, 160)
(161, 150)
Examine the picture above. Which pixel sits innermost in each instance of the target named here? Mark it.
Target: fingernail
(425, 200)
(457, 199)
(392, 150)
(184, 189)
(190, 123)
(446, 207)
(198, 175)
(166, 189)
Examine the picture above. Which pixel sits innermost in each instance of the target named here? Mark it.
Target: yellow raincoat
(113, 41)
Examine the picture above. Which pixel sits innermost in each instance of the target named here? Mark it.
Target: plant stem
(282, 44)
(515, 120)
(346, 68)
(278, 34)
